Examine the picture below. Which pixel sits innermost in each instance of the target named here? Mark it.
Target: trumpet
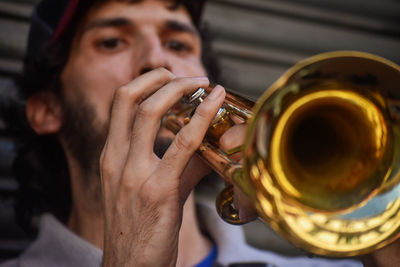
(321, 154)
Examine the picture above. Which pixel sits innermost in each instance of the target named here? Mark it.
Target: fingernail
(216, 92)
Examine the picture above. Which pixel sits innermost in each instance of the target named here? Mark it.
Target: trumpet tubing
(321, 155)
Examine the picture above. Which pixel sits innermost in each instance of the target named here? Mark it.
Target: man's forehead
(137, 8)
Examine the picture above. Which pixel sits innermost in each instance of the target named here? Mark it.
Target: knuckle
(153, 194)
(147, 194)
(122, 92)
(204, 113)
(185, 143)
(106, 167)
(146, 111)
(165, 73)
(127, 185)
(126, 92)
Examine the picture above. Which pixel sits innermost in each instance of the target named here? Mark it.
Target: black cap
(51, 18)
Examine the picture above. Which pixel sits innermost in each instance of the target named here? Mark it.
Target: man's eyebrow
(108, 22)
(121, 22)
(181, 27)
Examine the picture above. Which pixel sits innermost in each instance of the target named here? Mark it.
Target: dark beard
(85, 137)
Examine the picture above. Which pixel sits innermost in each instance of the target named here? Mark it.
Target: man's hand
(232, 138)
(143, 195)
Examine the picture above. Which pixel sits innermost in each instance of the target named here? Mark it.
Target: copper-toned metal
(225, 207)
(321, 154)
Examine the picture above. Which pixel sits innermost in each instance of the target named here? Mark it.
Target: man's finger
(189, 138)
(150, 112)
(124, 106)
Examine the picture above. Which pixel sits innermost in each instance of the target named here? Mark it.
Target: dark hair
(40, 166)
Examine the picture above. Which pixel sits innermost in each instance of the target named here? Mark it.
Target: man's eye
(110, 44)
(178, 46)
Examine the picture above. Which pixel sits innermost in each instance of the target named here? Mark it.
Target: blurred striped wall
(259, 39)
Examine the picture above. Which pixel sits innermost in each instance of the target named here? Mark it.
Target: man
(99, 77)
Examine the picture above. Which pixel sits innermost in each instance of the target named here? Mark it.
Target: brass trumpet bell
(321, 155)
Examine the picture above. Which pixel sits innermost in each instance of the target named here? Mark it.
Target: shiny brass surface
(321, 156)
(330, 149)
(221, 123)
(225, 206)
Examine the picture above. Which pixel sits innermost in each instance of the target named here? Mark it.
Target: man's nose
(154, 55)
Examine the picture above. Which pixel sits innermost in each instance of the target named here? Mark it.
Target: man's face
(117, 42)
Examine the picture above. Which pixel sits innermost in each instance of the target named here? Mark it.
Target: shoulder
(56, 245)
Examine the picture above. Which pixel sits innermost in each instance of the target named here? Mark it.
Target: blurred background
(257, 40)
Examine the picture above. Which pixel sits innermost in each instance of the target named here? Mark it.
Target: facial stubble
(85, 136)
